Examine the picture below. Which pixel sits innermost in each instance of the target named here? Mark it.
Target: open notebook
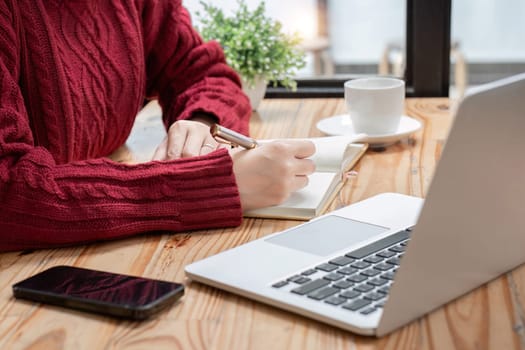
(334, 157)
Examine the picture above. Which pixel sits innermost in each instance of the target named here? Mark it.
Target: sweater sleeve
(45, 204)
(186, 74)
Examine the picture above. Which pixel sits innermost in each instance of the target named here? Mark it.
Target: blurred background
(354, 37)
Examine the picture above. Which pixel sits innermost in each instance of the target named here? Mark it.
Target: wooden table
(492, 316)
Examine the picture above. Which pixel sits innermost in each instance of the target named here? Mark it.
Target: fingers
(300, 181)
(294, 155)
(303, 167)
(186, 139)
(189, 139)
(296, 166)
(301, 148)
(176, 141)
(161, 152)
(208, 147)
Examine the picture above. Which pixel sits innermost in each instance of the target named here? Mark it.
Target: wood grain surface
(490, 317)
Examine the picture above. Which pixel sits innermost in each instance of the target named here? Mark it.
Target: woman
(73, 75)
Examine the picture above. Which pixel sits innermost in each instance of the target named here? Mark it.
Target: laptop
(378, 264)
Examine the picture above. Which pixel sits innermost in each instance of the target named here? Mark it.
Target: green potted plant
(255, 46)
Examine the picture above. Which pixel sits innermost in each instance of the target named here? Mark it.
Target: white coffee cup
(375, 104)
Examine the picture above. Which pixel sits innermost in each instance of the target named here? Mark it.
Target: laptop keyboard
(357, 281)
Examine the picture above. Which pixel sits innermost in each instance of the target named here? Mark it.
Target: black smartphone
(101, 292)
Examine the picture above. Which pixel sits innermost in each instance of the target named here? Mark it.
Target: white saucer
(342, 125)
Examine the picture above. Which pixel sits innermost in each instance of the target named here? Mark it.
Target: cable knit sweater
(73, 75)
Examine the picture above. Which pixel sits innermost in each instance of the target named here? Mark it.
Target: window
(349, 38)
(489, 37)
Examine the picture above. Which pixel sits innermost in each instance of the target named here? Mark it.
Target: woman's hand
(268, 174)
(187, 138)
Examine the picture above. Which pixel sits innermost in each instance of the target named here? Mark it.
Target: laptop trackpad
(324, 236)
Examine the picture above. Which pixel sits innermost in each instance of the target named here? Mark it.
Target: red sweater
(73, 75)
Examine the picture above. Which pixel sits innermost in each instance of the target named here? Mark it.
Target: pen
(232, 138)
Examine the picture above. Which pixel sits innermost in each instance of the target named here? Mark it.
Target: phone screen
(99, 291)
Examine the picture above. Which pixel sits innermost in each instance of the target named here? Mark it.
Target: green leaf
(253, 43)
